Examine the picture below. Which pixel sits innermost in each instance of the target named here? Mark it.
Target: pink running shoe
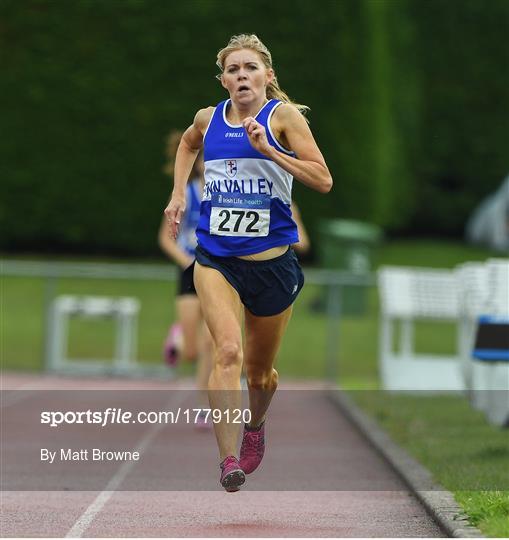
(252, 449)
(232, 476)
(171, 344)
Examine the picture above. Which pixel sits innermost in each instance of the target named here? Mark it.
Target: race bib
(237, 214)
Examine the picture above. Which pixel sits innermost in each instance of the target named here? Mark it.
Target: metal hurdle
(123, 310)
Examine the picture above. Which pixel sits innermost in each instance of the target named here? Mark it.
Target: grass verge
(464, 453)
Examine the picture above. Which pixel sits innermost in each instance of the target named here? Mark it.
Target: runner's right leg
(222, 310)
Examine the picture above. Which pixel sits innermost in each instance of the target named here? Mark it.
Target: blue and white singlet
(187, 232)
(246, 201)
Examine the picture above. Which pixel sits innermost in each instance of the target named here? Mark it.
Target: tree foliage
(408, 104)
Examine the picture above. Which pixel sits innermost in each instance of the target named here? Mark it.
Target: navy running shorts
(265, 287)
(185, 283)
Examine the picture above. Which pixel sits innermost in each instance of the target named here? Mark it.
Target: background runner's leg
(204, 365)
(189, 315)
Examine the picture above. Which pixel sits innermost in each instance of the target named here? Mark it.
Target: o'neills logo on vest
(230, 166)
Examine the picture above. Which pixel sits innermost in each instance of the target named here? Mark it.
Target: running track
(319, 477)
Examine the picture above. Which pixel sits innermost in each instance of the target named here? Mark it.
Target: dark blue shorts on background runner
(265, 287)
(185, 283)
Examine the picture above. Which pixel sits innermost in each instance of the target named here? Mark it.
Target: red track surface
(319, 479)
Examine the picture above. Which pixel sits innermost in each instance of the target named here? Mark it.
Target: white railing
(52, 271)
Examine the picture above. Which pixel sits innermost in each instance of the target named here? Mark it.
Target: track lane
(324, 481)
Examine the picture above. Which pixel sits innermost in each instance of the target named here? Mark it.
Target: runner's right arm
(189, 147)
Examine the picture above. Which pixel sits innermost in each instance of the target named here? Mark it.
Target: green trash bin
(349, 246)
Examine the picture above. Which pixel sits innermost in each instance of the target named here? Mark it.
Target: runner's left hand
(257, 135)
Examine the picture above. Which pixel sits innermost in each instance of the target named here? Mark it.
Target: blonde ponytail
(253, 42)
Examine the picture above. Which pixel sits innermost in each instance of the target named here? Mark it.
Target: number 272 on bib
(239, 215)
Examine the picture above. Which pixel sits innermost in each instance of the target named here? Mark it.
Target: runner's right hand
(174, 211)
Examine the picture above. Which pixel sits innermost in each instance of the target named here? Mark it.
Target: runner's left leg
(262, 342)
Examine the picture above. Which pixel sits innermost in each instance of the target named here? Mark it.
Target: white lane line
(97, 505)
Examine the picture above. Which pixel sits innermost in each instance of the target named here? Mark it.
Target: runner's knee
(229, 355)
(262, 379)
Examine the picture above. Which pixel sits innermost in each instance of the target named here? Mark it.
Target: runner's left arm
(309, 167)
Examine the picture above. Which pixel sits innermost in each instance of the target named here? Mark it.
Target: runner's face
(245, 76)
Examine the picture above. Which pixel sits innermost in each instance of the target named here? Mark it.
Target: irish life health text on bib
(237, 214)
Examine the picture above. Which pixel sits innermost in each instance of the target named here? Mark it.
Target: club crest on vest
(230, 166)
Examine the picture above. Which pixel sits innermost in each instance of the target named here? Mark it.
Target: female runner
(254, 143)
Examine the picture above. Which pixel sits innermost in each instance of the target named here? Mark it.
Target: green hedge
(464, 122)
(408, 98)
